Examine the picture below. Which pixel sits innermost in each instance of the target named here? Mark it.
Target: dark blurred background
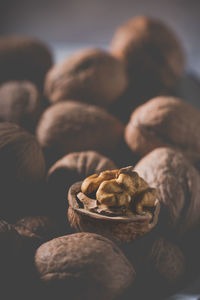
(69, 25)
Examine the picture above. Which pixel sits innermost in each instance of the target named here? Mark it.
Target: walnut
(91, 75)
(122, 207)
(71, 168)
(152, 54)
(22, 171)
(20, 103)
(165, 122)
(120, 188)
(72, 126)
(10, 259)
(87, 266)
(92, 183)
(168, 261)
(24, 58)
(39, 229)
(178, 188)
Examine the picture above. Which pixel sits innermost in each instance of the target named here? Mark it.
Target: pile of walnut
(117, 192)
(66, 132)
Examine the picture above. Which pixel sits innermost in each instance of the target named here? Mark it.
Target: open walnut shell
(118, 227)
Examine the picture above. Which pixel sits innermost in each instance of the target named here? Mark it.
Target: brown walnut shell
(20, 103)
(10, 259)
(73, 126)
(87, 266)
(23, 58)
(92, 75)
(165, 122)
(38, 228)
(22, 170)
(152, 54)
(76, 166)
(72, 168)
(168, 260)
(178, 186)
(118, 228)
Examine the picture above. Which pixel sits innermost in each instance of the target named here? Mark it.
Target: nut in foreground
(116, 203)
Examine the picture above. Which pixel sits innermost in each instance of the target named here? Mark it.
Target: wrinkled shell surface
(120, 229)
(10, 252)
(20, 103)
(41, 228)
(91, 75)
(85, 265)
(168, 261)
(22, 168)
(165, 121)
(152, 54)
(73, 126)
(178, 186)
(23, 58)
(10, 242)
(76, 166)
(72, 168)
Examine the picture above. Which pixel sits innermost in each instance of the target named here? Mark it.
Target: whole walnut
(37, 229)
(24, 58)
(76, 166)
(22, 170)
(152, 54)
(167, 260)
(83, 265)
(10, 259)
(69, 169)
(178, 187)
(73, 126)
(164, 270)
(20, 103)
(165, 122)
(91, 75)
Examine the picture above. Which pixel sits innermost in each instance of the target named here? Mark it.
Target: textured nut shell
(20, 103)
(151, 52)
(41, 228)
(73, 126)
(90, 75)
(178, 186)
(78, 165)
(20, 151)
(119, 229)
(87, 258)
(168, 260)
(22, 169)
(23, 58)
(165, 121)
(9, 239)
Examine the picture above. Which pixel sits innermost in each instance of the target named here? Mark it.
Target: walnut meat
(91, 75)
(85, 265)
(165, 121)
(20, 103)
(22, 170)
(152, 54)
(74, 126)
(23, 58)
(178, 187)
(116, 203)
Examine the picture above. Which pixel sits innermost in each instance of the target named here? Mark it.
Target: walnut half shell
(120, 227)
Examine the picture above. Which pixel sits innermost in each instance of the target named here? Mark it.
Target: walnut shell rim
(120, 229)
